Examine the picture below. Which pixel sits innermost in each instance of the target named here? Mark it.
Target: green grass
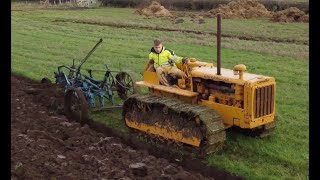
(39, 45)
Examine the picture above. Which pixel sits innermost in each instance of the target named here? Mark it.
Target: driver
(164, 61)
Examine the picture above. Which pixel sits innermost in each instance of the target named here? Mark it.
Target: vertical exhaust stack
(218, 44)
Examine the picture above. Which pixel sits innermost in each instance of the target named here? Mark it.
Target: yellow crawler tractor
(206, 103)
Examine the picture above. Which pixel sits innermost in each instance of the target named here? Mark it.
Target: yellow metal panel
(177, 91)
(164, 132)
(172, 90)
(144, 83)
(190, 99)
(230, 115)
(150, 77)
(262, 120)
(248, 104)
(205, 73)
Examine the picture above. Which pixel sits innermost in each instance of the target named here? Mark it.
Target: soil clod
(138, 169)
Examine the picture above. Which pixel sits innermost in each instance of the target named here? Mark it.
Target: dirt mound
(154, 9)
(240, 9)
(291, 14)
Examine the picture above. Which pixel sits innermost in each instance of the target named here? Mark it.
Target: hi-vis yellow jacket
(163, 57)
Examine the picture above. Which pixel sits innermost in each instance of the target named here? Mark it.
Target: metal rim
(75, 105)
(125, 85)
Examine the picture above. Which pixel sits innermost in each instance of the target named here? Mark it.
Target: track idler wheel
(75, 105)
(263, 131)
(268, 129)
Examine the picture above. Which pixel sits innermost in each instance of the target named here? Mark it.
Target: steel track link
(200, 121)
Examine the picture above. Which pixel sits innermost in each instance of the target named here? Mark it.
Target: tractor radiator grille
(263, 101)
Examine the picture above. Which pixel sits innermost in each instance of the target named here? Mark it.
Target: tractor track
(152, 110)
(48, 96)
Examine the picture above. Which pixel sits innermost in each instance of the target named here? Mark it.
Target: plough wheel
(125, 84)
(75, 105)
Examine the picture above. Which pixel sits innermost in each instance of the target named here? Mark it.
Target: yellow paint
(172, 90)
(236, 109)
(249, 90)
(228, 113)
(164, 132)
(262, 120)
(150, 77)
(161, 93)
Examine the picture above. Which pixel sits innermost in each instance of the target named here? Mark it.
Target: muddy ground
(46, 145)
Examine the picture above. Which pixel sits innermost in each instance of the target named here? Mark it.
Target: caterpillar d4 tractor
(206, 103)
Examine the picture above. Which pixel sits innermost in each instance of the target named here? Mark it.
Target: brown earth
(291, 14)
(240, 9)
(154, 9)
(45, 144)
(236, 9)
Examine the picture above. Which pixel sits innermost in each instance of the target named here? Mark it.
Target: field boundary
(205, 5)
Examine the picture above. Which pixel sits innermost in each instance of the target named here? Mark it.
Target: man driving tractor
(164, 61)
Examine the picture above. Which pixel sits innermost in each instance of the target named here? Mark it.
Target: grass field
(42, 39)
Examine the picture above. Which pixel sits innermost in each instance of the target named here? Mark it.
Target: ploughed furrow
(195, 126)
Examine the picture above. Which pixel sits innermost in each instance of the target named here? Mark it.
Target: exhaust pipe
(218, 44)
